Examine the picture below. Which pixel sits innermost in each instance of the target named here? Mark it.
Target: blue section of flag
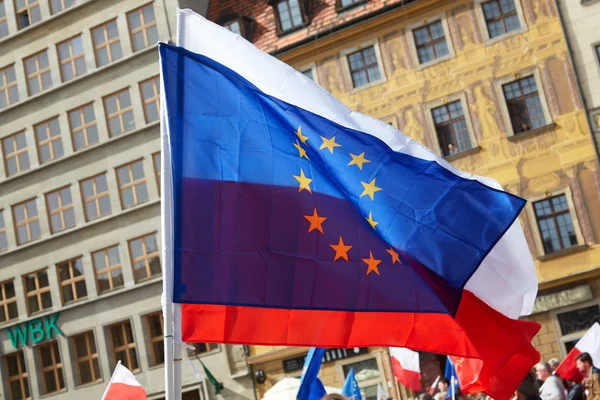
(351, 389)
(449, 373)
(224, 129)
(311, 387)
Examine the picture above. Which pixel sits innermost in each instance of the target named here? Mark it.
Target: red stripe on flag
(477, 331)
(568, 367)
(410, 379)
(121, 391)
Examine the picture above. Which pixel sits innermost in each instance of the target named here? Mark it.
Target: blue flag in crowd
(449, 373)
(311, 387)
(351, 389)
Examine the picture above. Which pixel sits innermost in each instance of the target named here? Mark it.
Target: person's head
(554, 362)
(584, 363)
(443, 384)
(543, 371)
(425, 396)
(333, 396)
(528, 389)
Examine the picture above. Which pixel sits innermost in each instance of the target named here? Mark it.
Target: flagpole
(453, 387)
(111, 379)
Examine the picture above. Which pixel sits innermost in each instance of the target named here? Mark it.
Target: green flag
(218, 385)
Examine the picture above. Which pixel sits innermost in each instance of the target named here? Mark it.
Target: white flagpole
(453, 388)
(111, 379)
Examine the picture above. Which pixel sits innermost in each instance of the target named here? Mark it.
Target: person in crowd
(528, 389)
(552, 388)
(443, 385)
(425, 396)
(591, 376)
(554, 363)
(576, 392)
(334, 396)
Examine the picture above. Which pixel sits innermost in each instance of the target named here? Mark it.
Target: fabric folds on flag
(407, 368)
(124, 386)
(299, 222)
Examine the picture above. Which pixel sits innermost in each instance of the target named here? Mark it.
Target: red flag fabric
(124, 386)
(589, 343)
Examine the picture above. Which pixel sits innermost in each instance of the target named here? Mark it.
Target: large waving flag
(589, 343)
(299, 222)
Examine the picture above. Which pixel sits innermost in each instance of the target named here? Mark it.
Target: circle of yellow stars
(369, 189)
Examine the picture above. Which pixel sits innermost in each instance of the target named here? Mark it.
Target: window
(8, 302)
(150, 96)
(82, 122)
(555, 223)
(107, 45)
(37, 291)
(9, 93)
(451, 128)
(500, 17)
(597, 54)
(60, 209)
(201, 348)
(574, 324)
(18, 380)
(157, 167)
(72, 60)
(142, 27)
(145, 257)
(132, 184)
(95, 195)
(430, 42)
(28, 12)
(37, 69)
(154, 323)
(52, 369)
(238, 24)
(3, 238)
(524, 105)
(72, 281)
(27, 222)
(107, 265)
(123, 345)
(364, 67)
(234, 26)
(290, 15)
(16, 158)
(368, 374)
(49, 144)
(348, 3)
(86, 355)
(119, 112)
(3, 23)
(59, 5)
(309, 74)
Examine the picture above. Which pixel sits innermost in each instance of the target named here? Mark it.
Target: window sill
(564, 252)
(531, 133)
(435, 61)
(340, 9)
(586, 3)
(89, 384)
(462, 154)
(45, 396)
(489, 41)
(368, 85)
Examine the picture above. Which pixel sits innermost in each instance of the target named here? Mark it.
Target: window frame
(60, 210)
(210, 349)
(27, 221)
(410, 30)
(312, 67)
(339, 8)
(72, 58)
(108, 269)
(28, 7)
(83, 127)
(132, 184)
(4, 20)
(56, 368)
(89, 357)
(596, 48)
(71, 281)
(370, 382)
(108, 42)
(63, 7)
(157, 169)
(155, 81)
(571, 336)
(430, 106)
(499, 86)
(96, 197)
(3, 231)
(5, 85)
(303, 4)
(22, 377)
(119, 113)
(532, 219)
(48, 141)
(4, 301)
(154, 339)
(346, 65)
(15, 154)
(483, 23)
(38, 73)
(145, 257)
(126, 347)
(37, 292)
(143, 26)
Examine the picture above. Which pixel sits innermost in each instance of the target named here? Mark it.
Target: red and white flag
(589, 343)
(405, 364)
(124, 386)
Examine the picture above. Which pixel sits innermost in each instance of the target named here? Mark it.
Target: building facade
(487, 84)
(80, 268)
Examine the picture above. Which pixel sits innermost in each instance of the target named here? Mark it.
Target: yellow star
(372, 264)
(370, 189)
(394, 254)
(304, 182)
(329, 144)
(302, 138)
(315, 222)
(300, 150)
(371, 221)
(358, 160)
(341, 250)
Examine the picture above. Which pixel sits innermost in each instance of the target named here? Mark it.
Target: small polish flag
(405, 364)
(434, 385)
(123, 386)
(589, 343)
